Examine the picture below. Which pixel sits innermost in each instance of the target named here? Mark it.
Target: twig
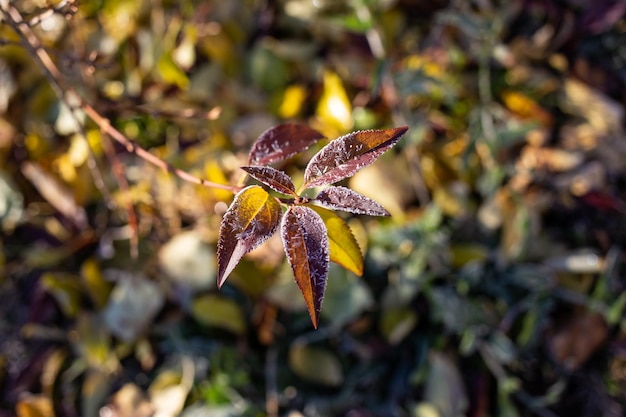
(14, 17)
(36, 20)
(131, 147)
(52, 73)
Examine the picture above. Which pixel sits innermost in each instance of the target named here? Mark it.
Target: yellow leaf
(171, 73)
(32, 405)
(214, 173)
(119, 18)
(334, 108)
(250, 220)
(65, 289)
(219, 47)
(93, 341)
(65, 168)
(525, 107)
(425, 64)
(292, 101)
(36, 145)
(95, 283)
(94, 139)
(344, 249)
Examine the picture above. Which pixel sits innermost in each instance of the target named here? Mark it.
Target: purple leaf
(344, 199)
(273, 178)
(281, 142)
(250, 220)
(306, 244)
(344, 156)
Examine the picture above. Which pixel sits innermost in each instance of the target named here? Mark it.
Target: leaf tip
(399, 131)
(222, 274)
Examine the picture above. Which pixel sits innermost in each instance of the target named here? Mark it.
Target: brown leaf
(342, 198)
(346, 155)
(306, 245)
(273, 178)
(573, 342)
(281, 142)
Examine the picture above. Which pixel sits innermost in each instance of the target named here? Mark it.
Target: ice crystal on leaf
(312, 235)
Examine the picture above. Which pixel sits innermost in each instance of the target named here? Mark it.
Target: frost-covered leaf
(273, 178)
(281, 142)
(306, 245)
(344, 156)
(250, 220)
(344, 199)
(344, 249)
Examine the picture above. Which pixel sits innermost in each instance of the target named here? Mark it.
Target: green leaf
(396, 323)
(65, 289)
(171, 73)
(315, 365)
(213, 310)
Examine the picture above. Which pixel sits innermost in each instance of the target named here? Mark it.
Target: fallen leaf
(133, 303)
(188, 261)
(216, 311)
(315, 365)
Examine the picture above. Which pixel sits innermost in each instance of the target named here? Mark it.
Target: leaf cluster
(312, 236)
(497, 287)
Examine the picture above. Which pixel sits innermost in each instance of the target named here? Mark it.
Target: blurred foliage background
(496, 289)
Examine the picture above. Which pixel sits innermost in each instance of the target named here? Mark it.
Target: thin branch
(58, 9)
(32, 43)
(52, 72)
(53, 75)
(131, 147)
